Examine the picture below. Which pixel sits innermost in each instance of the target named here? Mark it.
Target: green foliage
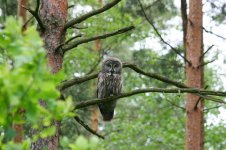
(25, 79)
(81, 143)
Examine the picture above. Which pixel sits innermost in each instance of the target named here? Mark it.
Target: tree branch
(154, 75)
(152, 90)
(206, 63)
(68, 83)
(90, 14)
(35, 14)
(68, 41)
(74, 81)
(103, 36)
(173, 104)
(161, 38)
(207, 31)
(87, 127)
(208, 49)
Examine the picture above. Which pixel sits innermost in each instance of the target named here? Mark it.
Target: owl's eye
(116, 65)
(108, 65)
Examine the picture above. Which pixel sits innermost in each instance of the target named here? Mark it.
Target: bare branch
(207, 31)
(35, 14)
(207, 109)
(152, 90)
(90, 14)
(208, 49)
(154, 75)
(25, 24)
(206, 63)
(87, 127)
(103, 36)
(161, 38)
(70, 6)
(69, 83)
(68, 41)
(173, 104)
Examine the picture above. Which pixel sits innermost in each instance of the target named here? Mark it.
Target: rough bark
(53, 14)
(194, 77)
(23, 14)
(184, 20)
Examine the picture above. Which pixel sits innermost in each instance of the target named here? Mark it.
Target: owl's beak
(112, 71)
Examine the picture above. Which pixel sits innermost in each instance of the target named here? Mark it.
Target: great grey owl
(109, 84)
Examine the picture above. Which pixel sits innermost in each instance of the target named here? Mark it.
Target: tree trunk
(94, 109)
(184, 21)
(194, 77)
(53, 14)
(23, 14)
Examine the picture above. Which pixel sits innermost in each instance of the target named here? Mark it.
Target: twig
(207, 31)
(175, 104)
(207, 109)
(161, 38)
(68, 41)
(25, 24)
(78, 27)
(87, 127)
(206, 63)
(90, 14)
(35, 14)
(103, 36)
(208, 49)
(70, 6)
(153, 90)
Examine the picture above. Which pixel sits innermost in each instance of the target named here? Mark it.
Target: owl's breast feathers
(109, 85)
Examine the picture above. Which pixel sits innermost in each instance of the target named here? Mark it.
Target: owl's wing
(100, 85)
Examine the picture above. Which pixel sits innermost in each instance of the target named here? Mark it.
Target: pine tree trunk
(194, 77)
(53, 15)
(94, 109)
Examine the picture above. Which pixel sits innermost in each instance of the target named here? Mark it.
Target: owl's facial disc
(112, 67)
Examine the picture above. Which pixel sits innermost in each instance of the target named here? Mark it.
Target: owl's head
(112, 65)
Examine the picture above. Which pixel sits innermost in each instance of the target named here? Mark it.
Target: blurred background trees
(145, 121)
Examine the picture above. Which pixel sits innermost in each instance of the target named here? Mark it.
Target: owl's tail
(107, 112)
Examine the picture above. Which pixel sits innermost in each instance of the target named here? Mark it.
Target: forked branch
(35, 14)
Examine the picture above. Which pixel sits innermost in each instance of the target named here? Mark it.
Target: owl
(109, 84)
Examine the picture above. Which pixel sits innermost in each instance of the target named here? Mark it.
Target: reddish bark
(94, 109)
(194, 76)
(21, 12)
(94, 118)
(53, 14)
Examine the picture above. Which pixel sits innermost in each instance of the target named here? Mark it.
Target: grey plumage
(109, 84)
